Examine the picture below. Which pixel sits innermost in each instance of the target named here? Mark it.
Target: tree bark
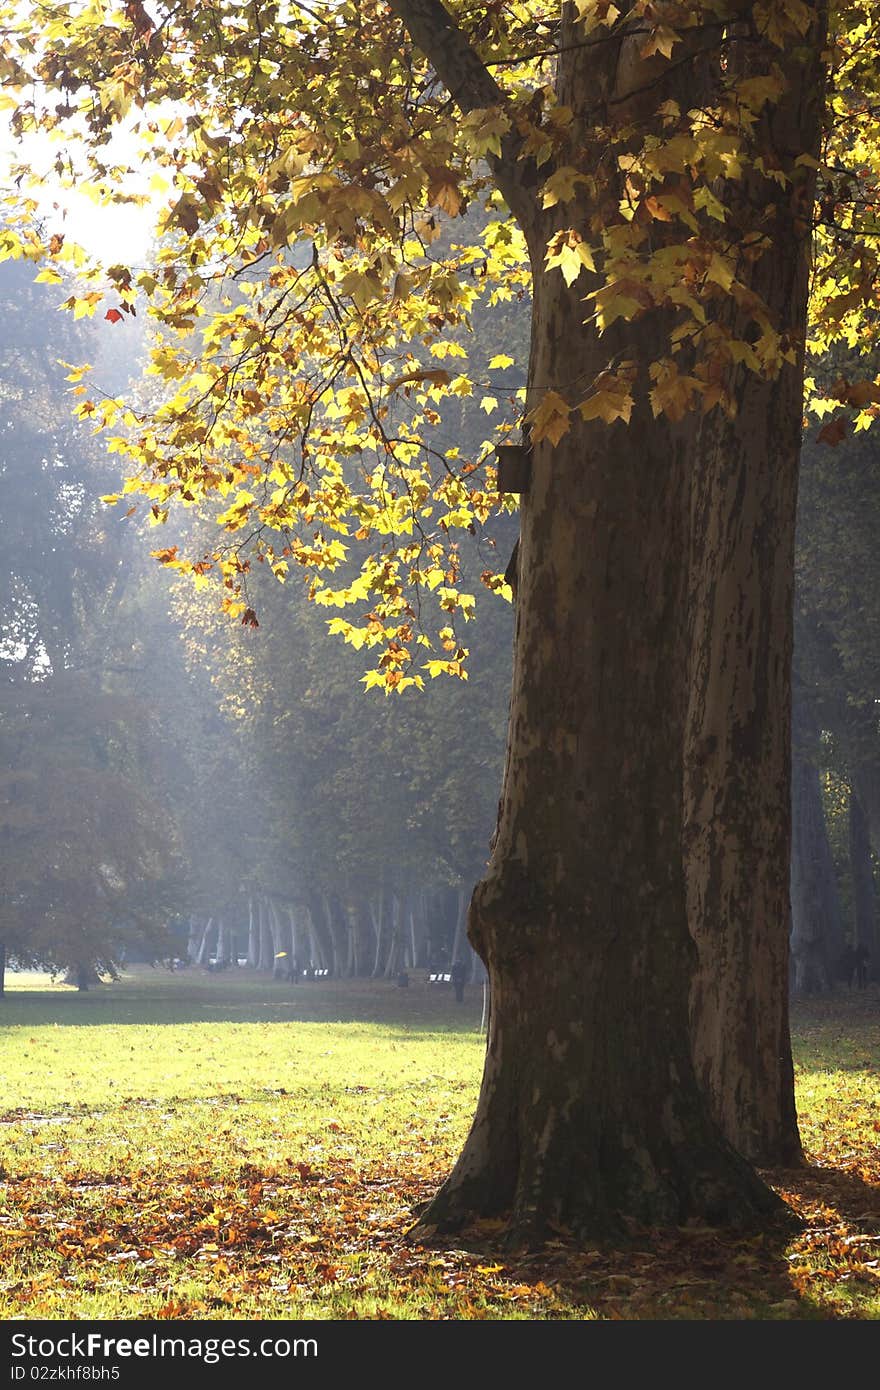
(738, 760)
(590, 1114)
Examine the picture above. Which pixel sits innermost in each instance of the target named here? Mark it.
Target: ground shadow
(700, 1273)
(196, 996)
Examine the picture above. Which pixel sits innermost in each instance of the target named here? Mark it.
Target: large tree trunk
(738, 768)
(590, 1111)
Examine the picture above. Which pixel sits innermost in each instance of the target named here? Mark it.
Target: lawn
(222, 1146)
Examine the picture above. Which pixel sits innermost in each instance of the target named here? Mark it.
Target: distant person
(458, 975)
(861, 957)
(403, 980)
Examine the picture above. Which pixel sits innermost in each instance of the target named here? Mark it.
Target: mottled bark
(738, 768)
(590, 1114)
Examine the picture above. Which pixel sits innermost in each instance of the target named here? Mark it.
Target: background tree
(836, 634)
(87, 861)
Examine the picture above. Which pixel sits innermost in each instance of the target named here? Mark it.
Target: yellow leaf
(550, 419)
(570, 253)
(607, 405)
(719, 271)
(561, 186)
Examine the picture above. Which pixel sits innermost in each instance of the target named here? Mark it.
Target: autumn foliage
(329, 222)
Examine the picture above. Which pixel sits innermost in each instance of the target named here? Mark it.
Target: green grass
(223, 1146)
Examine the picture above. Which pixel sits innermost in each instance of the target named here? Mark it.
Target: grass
(223, 1146)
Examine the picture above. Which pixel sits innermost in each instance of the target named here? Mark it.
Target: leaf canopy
(336, 206)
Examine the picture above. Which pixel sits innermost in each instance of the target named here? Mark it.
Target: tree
(673, 156)
(85, 860)
(838, 593)
(85, 856)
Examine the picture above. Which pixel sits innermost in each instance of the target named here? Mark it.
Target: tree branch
(471, 86)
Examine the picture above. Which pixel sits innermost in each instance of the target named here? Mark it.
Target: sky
(110, 233)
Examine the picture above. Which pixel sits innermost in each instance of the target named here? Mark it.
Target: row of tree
(340, 830)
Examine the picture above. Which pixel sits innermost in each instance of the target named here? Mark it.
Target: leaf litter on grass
(294, 1197)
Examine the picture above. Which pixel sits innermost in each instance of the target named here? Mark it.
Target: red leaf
(113, 315)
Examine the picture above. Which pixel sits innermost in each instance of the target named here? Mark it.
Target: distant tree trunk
(2, 968)
(294, 946)
(869, 794)
(365, 936)
(379, 924)
(352, 968)
(279, 941)
(321, 933)
(202, 953)
(222, 954)
(266, 958)
(395, 946)
(413, 945)
(253, 946)
(817, 933)
(340, 930)
(194, 939)
(459, 941)
(864, 891)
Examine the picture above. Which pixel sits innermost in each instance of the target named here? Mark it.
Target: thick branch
(471, 86)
